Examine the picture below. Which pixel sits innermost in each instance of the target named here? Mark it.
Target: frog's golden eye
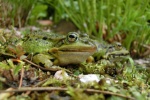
(72, 37)
(119, 44)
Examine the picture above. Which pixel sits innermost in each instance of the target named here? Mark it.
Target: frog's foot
(43, 59)
(90, 59)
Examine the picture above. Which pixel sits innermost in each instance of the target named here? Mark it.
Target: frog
(112, 57)
(117, 53)
(61, 51)
(73, 50)
(114, 52)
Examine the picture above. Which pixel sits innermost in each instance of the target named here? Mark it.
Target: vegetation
(126, 18)
(15, 12)
(125, 21)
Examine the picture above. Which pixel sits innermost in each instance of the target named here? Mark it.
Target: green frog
(115, 59)
(113, 52)
(117, 53)
(65, 50)
(73, 48)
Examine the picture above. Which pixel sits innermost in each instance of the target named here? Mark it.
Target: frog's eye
(72, 37)
(119, 44)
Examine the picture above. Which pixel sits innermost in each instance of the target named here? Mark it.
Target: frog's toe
(42, 59)
(90, 59)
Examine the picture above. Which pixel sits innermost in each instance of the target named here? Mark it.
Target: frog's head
(73, 50)
(117, 52)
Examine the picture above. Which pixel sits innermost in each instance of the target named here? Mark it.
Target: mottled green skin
(36, 45)
(49, 36)
(40, 42)
(68, 50)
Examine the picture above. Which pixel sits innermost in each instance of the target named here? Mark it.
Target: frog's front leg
(43, 59)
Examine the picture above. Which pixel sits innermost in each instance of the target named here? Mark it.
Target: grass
(126, 17)
(15, 12)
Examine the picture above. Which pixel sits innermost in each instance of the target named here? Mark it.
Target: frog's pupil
(119, 45)
(44, 38)
(72, 37)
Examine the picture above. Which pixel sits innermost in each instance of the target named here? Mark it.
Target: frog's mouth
(77, 49)
(118, 53)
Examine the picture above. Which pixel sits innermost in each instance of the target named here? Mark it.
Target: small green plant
(11, 65)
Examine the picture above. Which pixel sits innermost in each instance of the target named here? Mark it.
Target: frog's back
(45, 36)
(38, 42)
(36, 45)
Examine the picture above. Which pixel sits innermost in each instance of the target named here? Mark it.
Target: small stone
(89, 78)
(61, 75)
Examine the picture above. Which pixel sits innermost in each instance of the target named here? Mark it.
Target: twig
(46, 69)
(22, 74)
(108, 92)
(144, 45)
(23, 89)
(40, 83)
